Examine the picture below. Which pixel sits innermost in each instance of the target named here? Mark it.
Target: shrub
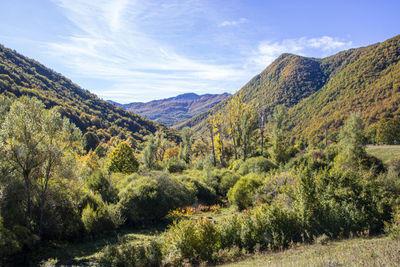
(142, 200)
(9, 244)
(128, 254)
(99, 182)
(270, 227)
(394, 229)
(256, 165)
(174, 165)
(150, 197)
(221, 180)
(241, 194)
(203, 192)
(97, 220)
(194, 241)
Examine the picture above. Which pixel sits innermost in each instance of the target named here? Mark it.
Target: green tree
(279, 135)
(388, 132)
(187, 142)
(149, 152)
(352, 138)
(122, 159)
(90, 141)
(34, 142)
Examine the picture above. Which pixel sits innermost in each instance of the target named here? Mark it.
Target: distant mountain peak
(174, 110)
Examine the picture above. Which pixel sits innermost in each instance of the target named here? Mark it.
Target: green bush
(394, 228)
(9, 244)
(221, 180)
(128, 254)
(193, 241)
(241, 194)
(204, 194)
(270, 227)
(150, 197)
(256, 165)
(99, 182)
(97, 220)
(174, 165)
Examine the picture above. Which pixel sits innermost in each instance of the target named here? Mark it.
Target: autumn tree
(161, 145)
(388, 131)
(240, 125)
(210, 126)
(122, 160)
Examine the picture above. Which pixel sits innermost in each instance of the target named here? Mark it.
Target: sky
(140, 50)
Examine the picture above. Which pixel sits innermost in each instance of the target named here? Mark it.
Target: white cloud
(111, 44)
(268, 51)
(233, 22)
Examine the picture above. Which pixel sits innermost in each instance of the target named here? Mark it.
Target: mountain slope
(320, 93)
(175, 110)
(22, 76)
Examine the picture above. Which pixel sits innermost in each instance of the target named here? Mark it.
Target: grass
(384, 153)
(85, 252)
(377, 251)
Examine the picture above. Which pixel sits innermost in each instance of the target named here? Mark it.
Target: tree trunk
(212, 146)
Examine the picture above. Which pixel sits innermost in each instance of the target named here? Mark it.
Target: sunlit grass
(378, 251)
(384, 153)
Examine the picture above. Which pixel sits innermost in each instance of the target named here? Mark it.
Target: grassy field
(385, 153)
(378, 251)
(85, 252)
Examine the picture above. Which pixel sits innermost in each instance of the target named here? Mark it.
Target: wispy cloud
(233, 22)
(127, 51)
(268, 51)
(109, 44)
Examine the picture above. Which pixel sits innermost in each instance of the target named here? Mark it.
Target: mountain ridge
(174, 110)
(20, 75)
(311, 87)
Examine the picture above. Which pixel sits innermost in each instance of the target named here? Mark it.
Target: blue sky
(139, 50)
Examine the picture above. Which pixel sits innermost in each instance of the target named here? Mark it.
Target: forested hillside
(175, 110)
(22, 76)
(320, 93)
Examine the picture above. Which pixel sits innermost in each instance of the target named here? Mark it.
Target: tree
(261, 123)
(352, 138)
(90, 141)
(240, 125)
(210, 125)
(149, 152)
(122, 159)
(187, 142)
(388, 131)
(34, 142)
(279, 134)
(161, 144)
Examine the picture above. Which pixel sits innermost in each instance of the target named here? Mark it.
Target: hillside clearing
(377, 251)
(384, 153)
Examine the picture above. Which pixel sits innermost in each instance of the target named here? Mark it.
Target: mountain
(321, 93)
(174, 110)
(23, 76)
